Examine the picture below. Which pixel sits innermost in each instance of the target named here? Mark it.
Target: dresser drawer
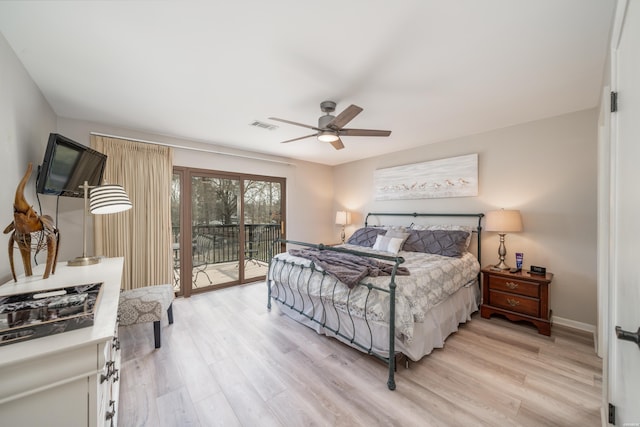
(515, 303)
(514, 286)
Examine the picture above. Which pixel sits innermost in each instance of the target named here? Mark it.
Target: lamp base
(502, 252)
(502, 265)
(83, 260)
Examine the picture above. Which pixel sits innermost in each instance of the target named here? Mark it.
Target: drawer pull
(511, 285)
(513, 302)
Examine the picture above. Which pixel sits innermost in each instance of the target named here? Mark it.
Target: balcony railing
(214, 244)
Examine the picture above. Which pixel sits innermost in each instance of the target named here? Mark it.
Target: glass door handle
(628, 336)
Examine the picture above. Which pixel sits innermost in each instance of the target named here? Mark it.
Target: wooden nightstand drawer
(516, 303)
(514, 286)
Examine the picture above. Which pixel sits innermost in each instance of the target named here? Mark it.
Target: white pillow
(401, 234)
(388, 244)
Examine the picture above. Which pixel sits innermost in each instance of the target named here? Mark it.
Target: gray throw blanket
(348, 268)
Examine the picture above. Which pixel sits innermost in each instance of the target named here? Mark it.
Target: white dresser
(70, 378)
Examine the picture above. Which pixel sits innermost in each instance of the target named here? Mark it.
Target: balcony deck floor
(223, 273)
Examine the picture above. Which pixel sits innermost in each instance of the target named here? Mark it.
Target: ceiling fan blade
(293, 123)
(345, 117)
(296, 139)
(364, 132)
(337, 144)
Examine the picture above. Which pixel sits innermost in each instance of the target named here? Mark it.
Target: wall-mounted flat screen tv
(67, 165)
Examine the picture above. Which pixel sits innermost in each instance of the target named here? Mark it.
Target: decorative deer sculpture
(26, 221)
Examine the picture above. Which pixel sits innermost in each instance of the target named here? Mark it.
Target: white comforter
(432, 279)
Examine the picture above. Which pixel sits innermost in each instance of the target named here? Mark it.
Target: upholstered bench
(146, 304)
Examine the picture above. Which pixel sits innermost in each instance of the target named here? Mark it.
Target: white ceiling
(428, 70)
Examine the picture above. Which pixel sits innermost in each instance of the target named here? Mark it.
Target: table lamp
(503, 221)
(343, 218)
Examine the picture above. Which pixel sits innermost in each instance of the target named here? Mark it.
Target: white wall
(547, 169)
(25, 123)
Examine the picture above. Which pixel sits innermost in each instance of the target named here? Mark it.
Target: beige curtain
(142, 235)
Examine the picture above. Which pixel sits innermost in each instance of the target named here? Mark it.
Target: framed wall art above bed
(451, 177)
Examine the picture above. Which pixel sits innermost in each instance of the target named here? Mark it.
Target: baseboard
(573, 324)
(579, 326)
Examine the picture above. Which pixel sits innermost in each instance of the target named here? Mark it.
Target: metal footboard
(293, 286)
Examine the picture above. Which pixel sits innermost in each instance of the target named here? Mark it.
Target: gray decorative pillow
(449, 243)
(365, 236)
(466, 228)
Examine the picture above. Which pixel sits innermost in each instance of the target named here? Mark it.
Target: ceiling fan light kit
(327, 136)
(330, 127)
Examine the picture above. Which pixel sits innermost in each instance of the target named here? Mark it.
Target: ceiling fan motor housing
(323, 121)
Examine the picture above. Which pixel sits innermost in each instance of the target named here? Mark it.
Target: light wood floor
(227, 361)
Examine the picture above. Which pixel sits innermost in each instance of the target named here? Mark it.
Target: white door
(624, 356)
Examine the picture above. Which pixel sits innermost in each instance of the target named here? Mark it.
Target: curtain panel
(142, 235)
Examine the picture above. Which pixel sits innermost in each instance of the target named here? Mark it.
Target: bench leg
(156, 333)
(170, 313)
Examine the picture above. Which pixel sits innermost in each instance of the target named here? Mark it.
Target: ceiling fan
(330, 128)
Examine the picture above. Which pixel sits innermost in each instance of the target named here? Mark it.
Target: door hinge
(614, 102)
(612, 414)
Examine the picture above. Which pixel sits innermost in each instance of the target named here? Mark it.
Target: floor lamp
(104, 199)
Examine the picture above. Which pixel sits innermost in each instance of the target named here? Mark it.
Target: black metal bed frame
(287, 295)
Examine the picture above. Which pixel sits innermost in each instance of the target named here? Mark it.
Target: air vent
(263, 125)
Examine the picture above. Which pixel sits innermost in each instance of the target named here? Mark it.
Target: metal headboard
(414, 215)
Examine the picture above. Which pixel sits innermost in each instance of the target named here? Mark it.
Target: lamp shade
(107, 199)
(343, 217)
(503, 221)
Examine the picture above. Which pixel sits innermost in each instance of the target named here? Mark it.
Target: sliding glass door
(215, 231)
(224, 226)
(263, 223)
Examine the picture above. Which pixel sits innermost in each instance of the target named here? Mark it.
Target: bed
(427, 285)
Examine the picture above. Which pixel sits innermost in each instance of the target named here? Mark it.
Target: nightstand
(517, 296)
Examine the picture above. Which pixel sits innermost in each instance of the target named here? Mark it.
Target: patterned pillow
(399, 228)
(466, 228)
(451, 243)
(365, 236)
